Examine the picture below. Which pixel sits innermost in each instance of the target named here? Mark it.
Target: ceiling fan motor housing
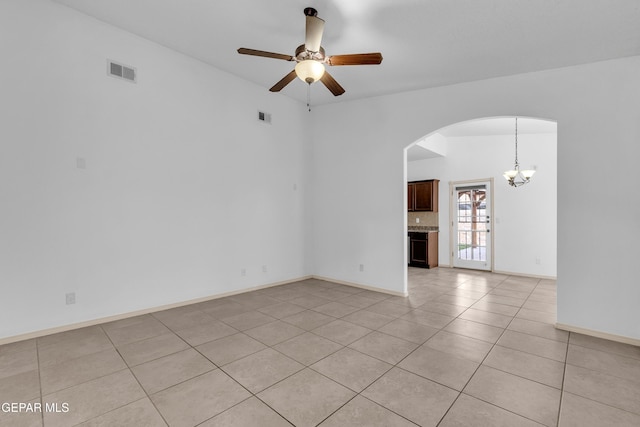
(303, 54)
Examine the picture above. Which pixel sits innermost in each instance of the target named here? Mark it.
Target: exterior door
(471, 223)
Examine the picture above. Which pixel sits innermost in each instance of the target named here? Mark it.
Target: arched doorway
(524, 219)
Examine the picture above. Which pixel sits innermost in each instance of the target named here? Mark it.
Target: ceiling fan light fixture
(309, 71)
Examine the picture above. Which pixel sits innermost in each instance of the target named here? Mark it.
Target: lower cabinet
(423, 249)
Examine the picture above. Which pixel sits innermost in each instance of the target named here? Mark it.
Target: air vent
(264, 117)
(121, 71)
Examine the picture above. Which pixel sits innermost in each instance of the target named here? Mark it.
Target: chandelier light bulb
(516, 177)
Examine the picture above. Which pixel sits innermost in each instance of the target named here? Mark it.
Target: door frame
(452, 205)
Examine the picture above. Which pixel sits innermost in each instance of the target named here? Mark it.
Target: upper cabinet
(422, 196)
(410, 197)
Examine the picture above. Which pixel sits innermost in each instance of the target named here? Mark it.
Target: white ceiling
(425, 43)
(416, 153)
(485, 127)
(499, 126)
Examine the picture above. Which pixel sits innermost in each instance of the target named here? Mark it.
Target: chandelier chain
(516, 141)
(516, 177)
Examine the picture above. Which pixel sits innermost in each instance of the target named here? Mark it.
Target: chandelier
(515, 176)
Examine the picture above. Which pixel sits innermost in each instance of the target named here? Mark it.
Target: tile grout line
(603, 404)
(137, 381)
(564, 376)
(39, 379)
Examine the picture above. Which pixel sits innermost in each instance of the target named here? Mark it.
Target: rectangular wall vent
(121, 71)
(264, 117)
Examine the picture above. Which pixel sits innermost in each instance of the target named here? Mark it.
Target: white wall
(524, 218)
(360, 211)
(183, 186)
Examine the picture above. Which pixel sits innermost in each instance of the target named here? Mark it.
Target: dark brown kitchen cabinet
(423, 249)
(410, 196)
(422, 196)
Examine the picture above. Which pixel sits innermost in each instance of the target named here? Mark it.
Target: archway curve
(475, 120)
(487, 126)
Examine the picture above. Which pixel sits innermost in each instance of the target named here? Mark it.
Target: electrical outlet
(537, 260)
(70, 298)
(417, 220)
(264, 268)
(243, 271)
(361, 267)
(81, 163)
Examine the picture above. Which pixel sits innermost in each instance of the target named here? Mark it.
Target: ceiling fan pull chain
(309, 97)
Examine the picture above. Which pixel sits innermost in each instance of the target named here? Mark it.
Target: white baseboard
(533, 276)
(598, 334)
(507, 273)
(101, 320)
(362, 286)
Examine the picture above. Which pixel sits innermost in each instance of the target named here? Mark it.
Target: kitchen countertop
(422, 228)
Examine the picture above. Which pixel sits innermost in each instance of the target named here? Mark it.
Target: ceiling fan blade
(315, 27)
(285, 81)
(355, 59)
(332, 84)
(245, 51)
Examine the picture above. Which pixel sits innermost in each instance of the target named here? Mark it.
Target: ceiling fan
(310, 58)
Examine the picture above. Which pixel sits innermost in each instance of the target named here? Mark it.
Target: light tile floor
(466, 348)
